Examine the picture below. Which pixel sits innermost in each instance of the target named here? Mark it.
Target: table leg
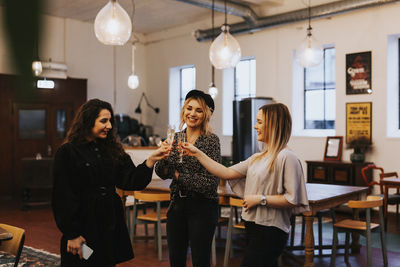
(355, 237)
(309, 242)
(385, 205)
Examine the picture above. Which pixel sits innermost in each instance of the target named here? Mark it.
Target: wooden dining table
(5, 235)
(387, 184)
(326, 196)
(320, 196)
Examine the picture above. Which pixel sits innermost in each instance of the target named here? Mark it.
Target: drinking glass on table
(181, 139)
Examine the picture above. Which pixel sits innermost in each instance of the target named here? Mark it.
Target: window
(320, 93)
(245, 78)
(393, 86)
(182, 79)
(187, 82)
(315, 115)
(238, 83)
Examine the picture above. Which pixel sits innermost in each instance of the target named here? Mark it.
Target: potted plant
(360, 146)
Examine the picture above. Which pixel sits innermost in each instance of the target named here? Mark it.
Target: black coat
(85, 202)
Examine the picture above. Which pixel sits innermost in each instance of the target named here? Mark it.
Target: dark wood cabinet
(36, 181)
(337, 172)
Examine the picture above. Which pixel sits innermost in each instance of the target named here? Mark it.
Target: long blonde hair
(205, 127)
(277, 131)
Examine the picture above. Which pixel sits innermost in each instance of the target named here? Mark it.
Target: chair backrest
(15, 245)
(152, 196)
(363, 170)
(384, 175)
(235, 202)
(371, 202)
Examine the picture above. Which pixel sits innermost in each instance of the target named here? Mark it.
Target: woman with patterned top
(87, 168)
(271, 184)
(193, 212)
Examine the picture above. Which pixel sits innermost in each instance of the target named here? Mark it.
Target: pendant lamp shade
(212, 90)
(112, 25)
(309, 53)
(37, 68)
(133, 81)
(225, 50)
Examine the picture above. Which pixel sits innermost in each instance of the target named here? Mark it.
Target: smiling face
(102, 125)
(260, 126)
(193, 114)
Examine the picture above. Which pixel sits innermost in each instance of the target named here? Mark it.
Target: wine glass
(181, 139)
(170, 134)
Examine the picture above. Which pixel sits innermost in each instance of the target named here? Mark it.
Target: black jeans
(264, 244)
(191, 221)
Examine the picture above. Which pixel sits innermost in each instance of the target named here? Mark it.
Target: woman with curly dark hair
(87, 168)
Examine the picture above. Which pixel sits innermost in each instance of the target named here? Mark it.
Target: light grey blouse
(287, 179)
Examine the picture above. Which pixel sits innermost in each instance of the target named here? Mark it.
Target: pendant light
(309, 53)
(112, 25)
(133, 79)
(212, 89)
(37, 64)
(225, 50)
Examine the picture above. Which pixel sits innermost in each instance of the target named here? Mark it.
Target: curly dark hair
(83, 123)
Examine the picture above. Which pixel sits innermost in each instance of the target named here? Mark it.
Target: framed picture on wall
(358, 73)
(359, 123)
(333, 148)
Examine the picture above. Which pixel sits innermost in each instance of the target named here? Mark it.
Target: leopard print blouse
(193, 177)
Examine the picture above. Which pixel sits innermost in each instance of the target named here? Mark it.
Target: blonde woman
(193, 212)
(271, 184)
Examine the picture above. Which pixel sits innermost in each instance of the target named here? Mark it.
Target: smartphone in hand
(86, 251)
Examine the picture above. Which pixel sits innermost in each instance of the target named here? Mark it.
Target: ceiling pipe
(320, 11)
(236, 9)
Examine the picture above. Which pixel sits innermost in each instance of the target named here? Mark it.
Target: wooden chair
(362, 227)
(15, 245)
(393, 199)
(319, 215)
(151, 217)
(234, 203)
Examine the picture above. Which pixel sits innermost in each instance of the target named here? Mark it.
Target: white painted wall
(363, 30)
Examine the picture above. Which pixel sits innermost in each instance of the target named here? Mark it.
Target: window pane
(245, 78)
(314, 77)
(61, 120)
(330, 71)
(188, 81)
(314, 105)
(32, 123)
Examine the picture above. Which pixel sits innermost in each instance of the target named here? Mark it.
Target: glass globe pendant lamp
(309, 53)
(213, 90)
(112, 25)
(37, 67)
(225, 50)
(133, 79)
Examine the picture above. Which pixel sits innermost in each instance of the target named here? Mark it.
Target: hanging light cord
(226, 19)
(309, 19)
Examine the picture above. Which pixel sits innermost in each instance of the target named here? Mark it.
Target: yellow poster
(358, 122)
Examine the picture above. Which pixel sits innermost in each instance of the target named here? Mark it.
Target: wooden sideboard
(337, 172)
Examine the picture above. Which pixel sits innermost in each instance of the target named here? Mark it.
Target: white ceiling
(156, 15)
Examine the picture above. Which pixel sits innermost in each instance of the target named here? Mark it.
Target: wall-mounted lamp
(139, 110)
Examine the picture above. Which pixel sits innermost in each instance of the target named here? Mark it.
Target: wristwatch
(263, 201)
